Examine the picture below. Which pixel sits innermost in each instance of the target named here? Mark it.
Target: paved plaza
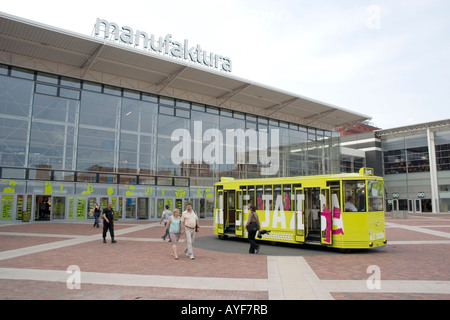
(50, 260)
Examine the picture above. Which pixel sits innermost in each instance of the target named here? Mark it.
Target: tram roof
(283, 180)
(30, 44)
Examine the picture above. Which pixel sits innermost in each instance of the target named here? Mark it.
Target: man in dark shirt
(108, 222)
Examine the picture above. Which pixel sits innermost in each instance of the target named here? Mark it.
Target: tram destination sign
(162, 45)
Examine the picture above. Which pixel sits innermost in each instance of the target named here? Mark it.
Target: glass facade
(66, 142)
(406, 154)
(407, 166)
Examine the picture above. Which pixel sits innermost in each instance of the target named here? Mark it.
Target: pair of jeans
(167, 231)
(96, 216)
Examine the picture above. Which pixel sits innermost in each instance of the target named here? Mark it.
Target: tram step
(313, 236)
(230, 229)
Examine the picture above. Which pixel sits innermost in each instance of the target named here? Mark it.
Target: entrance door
(414, 206)
(42, 208)
(130, 208)
(230, 210)
(299, 215)
(137, 208)
(142, 208)
(58, 208)
(417, 205)
(159, 208)
(179, 205)
(410, 205)
(198, 205)
(326, 219)
(395, 205)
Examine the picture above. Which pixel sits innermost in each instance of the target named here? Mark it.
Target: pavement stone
(35, 256)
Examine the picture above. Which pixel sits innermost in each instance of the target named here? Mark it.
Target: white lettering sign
(165, 46)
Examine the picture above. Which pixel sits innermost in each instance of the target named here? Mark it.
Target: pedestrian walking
(173, 227)
(189, 225)
(108, 222)
(165, 217)
(97, 212)
(252, 227)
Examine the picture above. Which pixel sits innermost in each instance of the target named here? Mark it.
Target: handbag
(252, 226)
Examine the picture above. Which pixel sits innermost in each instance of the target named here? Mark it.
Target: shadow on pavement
(238, 245)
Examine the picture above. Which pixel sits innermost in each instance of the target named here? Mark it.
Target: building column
(433, 171)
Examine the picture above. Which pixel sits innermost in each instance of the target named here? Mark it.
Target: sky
(386, 59)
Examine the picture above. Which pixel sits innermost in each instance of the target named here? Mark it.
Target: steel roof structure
(33, 45)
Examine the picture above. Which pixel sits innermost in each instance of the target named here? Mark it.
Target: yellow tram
(342, 210)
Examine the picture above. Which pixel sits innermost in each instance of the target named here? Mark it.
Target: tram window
(335, 198)
(231, 201)
(375, 195)
(259, 201)
(239, 201)
(276, 192)
(287, 197)
(251, 193)
(335, 193)
(240, 197)
(217, 195)
(268, 193)
(355, 196)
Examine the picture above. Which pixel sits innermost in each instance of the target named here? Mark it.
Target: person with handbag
(96, 211)
(252, 227)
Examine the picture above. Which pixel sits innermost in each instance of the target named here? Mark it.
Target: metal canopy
(28, 44)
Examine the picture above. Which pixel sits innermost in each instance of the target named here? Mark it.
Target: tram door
(229, 197)
(299, 215)
(239, 216)
(326, 219)
(219, 214)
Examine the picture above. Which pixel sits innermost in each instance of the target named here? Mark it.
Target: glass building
(85, 121)
(414, 161)
(416, 164)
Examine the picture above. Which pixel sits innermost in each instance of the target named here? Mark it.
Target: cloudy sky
(388, 59)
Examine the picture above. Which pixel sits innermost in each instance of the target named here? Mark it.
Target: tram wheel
(222, 237)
